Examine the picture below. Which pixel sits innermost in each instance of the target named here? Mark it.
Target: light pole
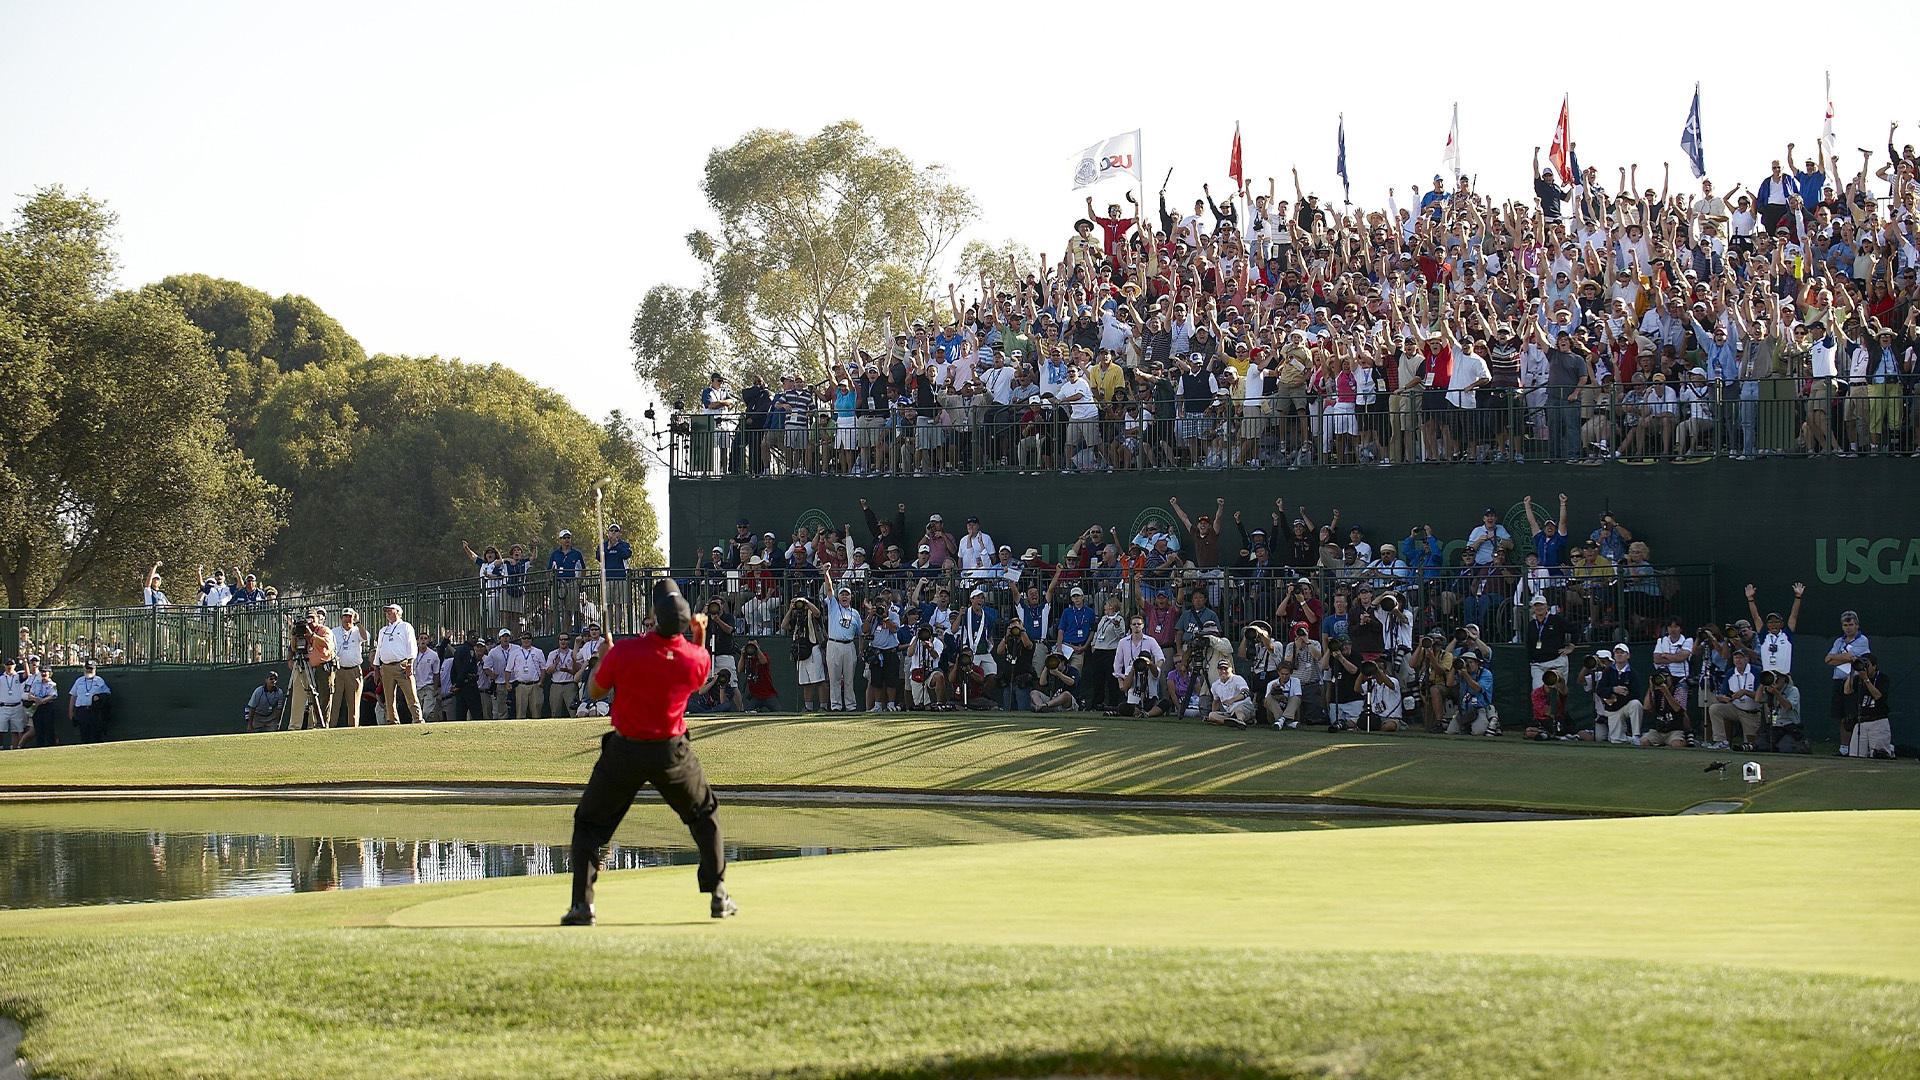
(600, 544)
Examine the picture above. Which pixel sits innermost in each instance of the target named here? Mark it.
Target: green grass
(747, 825)
(1694, 947)
(1005, 753)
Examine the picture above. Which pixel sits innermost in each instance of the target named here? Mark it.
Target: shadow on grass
(1099, 756)
(1219, 1065)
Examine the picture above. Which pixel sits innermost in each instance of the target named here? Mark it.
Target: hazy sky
(502, 184)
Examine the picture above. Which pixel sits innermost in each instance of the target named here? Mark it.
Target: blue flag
(1690, 138)
(1340, 164)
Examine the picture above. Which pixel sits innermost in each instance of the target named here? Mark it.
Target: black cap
(671, 615)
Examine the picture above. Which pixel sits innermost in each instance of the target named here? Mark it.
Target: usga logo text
(1886, 561)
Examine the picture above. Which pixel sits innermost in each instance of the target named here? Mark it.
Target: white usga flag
(1103, 161)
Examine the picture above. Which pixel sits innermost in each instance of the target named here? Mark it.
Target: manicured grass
(746, 825)
(1687, 947)
(1007, 752)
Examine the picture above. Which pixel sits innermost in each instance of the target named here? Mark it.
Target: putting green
(1692, 890)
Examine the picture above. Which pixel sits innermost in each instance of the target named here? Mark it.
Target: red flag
(1233, 164)
(1561, 144)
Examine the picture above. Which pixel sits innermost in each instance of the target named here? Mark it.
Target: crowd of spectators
(1591, 321)
(1301, 624)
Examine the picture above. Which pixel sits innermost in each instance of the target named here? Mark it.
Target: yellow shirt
(1106, 379)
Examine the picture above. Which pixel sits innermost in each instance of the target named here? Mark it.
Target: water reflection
(59, 869)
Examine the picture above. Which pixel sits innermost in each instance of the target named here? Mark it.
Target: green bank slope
(1004, 753)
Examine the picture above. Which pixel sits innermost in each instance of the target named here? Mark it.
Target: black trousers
(466, 703)
(625, 766)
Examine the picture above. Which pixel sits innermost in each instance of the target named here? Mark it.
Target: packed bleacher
(1601, 318)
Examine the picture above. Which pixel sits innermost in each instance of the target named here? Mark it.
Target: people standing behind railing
(496, 680)
(349, 649)
(428, 680)
(42, 692)
(464, 673)
(613, 555)
(150, 594)
(525, 666)
(566, 565)
(493, 582)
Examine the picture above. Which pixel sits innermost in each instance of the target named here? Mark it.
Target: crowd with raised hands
(1590, 321)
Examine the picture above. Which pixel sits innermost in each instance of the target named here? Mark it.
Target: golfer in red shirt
(654, 674)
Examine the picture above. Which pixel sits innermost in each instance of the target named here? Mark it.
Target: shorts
(796, 437)
(871, 430)
(13, 718)
(1340, 419)
(927, 434)
(1434, 403)
(844, 434)
(1253, 421)
(1820, 394)
(1192, 427)
(1290, 399)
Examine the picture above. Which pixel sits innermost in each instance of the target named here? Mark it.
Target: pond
(55, 854)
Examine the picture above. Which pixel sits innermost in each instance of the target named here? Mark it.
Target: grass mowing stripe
(999, 752)
(372, 1004)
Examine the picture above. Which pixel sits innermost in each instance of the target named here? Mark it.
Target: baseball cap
(568, 533)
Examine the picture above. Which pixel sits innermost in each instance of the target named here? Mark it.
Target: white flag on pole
(1826, 130)
(1451, 159)
(1105, 160)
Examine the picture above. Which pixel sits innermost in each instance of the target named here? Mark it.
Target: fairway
(1004, 753)
(1180, 955)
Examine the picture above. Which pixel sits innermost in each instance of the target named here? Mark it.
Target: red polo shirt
(652, 677)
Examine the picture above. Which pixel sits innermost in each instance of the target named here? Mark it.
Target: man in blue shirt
(614, 553)
(86, 705)
(566, 564)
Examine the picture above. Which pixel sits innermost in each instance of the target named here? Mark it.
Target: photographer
(1780, 701)
(310, 663)
(1053, 689)
(1232, 699)
(1618, 710)
(1257, 649)
(1666, 718)
(756, 677)
(1014, 652)
(1343, 688)
(1476, 715)
(1867, 685)
(1549, 642)
(1433, 667)
(923, 666)
(1738, 702)
(1137, 662)
(965, 684)
(806, 628)
(1382, 708)
(720, 695)
(1282, 698)
(1307, 658)
(883, 656)
(1550, 720)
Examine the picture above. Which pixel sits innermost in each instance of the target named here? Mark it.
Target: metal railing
(1738, 419)
(1628, 603)
(192, 634)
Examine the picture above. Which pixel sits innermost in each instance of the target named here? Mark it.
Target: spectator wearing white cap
(350, 649)
(394, 657)
(566, 564)
(495, 680)
(974, 627)
(844, 625)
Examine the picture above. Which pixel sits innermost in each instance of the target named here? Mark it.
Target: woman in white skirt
(1342, 424)
(806, 627)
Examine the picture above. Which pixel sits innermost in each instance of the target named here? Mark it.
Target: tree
(256, 339)
(113, 453)
(395, 460)
(1006, 263)
(809, 230)
(672, 347)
